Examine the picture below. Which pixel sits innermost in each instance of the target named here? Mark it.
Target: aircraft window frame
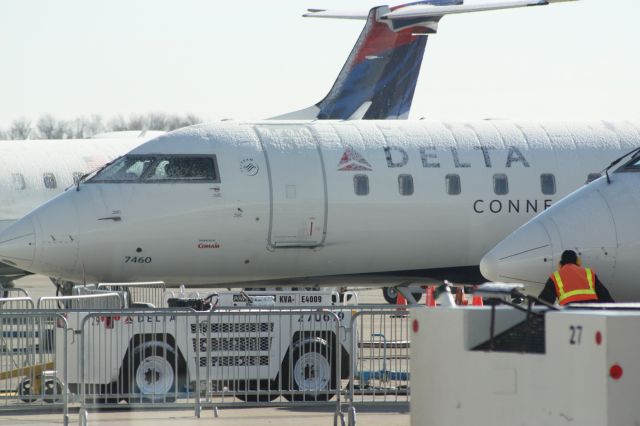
(154, 160)
(497, 178)
(546, 180)
(18, 182)
(405, 184)
(453, 184)
(49, 180)
(632, 166)
(359, 180)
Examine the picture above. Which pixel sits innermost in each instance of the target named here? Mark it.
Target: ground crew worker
(572, 283)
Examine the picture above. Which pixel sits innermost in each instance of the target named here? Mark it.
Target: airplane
(272, 203)
(598, 221)
(377, 81)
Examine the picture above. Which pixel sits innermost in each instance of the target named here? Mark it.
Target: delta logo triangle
(353, 161)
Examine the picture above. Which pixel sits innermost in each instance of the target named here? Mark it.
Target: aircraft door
(297, 184)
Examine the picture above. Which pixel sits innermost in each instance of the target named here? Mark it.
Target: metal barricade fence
(13, 292)
(381, 365)
(16, 303)
(32, 375)
(89, 302)
(224, 357)
(227, 357)
(152, 292)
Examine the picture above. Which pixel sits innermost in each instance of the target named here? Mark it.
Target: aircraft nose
(525, 256)
(18, 244)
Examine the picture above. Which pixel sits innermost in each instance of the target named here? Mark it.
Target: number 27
(576, 334)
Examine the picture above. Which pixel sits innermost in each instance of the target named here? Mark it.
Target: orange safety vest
(574, 284)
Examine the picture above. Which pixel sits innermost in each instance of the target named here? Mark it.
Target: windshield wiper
(94, 172)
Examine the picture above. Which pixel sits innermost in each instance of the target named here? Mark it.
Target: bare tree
(117, 124)
(3, 135)
(51, 128)
(177, 121)
(94, 125)
(20, 129)
(48, 127)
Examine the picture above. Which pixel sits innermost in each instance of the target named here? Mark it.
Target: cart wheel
(154, 377)
(25, 391)
(312, 372)
(53, 390)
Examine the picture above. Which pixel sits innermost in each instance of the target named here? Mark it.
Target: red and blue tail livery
(379, 78)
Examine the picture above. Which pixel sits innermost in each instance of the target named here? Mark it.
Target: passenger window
(453, 184)
(18, 181)
(405, 184)
(548, 184)
(49, 181)
(500, 184)
(361, 184)
(593, 176)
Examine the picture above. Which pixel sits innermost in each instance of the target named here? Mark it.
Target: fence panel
(13, 292)
(382, 362)
(16, 303)
(141, 292)
(89, 302)
(210, 359)
(32, 376)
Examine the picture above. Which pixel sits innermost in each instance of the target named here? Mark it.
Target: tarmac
(290, 416)
(381, 415)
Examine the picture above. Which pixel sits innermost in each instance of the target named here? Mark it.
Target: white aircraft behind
(375, 202)
(33, 171)
(598, 221)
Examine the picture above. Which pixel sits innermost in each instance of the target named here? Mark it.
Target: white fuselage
(33, 171)
(283, 203)
(598, 221)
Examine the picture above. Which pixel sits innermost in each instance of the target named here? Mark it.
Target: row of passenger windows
(453, 184)
(49, 179)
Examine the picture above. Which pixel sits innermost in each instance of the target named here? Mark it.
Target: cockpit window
(632, 166)
(160, 169)
(125, 169)
(182, 168)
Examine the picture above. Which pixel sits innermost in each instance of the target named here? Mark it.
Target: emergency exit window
(405, 184)
(500, 184)
(361, 184)
(453, 184)
(49, 181)
(548, 184)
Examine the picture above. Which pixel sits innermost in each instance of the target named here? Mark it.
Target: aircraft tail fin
(379, 78)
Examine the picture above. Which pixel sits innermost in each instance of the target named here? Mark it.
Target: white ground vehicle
(254, 351)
